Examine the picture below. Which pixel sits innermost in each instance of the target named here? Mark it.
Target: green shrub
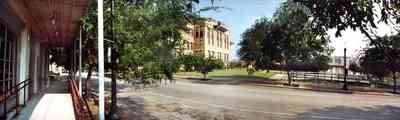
(251, 71)
(152, 70)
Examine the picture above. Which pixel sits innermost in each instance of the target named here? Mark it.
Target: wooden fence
(81, 107)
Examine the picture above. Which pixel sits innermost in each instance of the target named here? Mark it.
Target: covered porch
(28, 30)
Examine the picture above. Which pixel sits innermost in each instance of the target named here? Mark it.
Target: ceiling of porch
(54, 22)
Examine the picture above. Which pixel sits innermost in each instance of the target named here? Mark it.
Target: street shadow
(107, 85)
(133, 109)
(228, 80)
(379, 112)
(216, 82)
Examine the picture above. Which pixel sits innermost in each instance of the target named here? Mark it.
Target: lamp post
(345, 71)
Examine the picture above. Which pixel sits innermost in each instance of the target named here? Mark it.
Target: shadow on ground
(228, 80)
(380, 112)
(138, 108)
(133, 108)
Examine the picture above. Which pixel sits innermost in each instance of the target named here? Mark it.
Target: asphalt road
(270, 103)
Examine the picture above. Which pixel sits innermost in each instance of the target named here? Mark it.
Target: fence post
(17, 99)
(24, 86)
(5, 102)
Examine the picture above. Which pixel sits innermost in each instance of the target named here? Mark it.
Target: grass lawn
(236, 72)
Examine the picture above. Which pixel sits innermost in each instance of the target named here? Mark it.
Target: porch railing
(81, 107)
(9, 93)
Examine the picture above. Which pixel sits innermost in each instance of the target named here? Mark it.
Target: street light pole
(345, 71)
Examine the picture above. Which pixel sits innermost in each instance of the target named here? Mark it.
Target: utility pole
(345, 71)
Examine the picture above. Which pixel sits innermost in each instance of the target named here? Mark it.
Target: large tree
(374, 61)
(286, 42)
(251, 48)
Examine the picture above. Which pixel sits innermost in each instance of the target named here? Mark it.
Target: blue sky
(240, 15)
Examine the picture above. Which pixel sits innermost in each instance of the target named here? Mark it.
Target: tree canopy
(373, 60)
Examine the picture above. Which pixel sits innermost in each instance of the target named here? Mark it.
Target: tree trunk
(114, 77)
(289, 78)
(87, 81)
(372, 83)
(205, 76)
(394, 82)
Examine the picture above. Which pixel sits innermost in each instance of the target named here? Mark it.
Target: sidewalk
(55, 87)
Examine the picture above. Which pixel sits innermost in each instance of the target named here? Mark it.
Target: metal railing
(14, 91)
(336, 77)
(81, 107)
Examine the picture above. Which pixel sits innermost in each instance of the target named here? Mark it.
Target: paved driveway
(269, 103)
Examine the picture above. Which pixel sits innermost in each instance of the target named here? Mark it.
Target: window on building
(7, 60)
(209, 36)
(212, 41)
(217, 42)
(227, 42)
(188, 45)
(201, 34)
(218, 36)
(221, 39)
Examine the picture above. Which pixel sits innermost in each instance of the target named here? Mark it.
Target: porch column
(42, 69)
(35, 66)
(23, 59)
(100, 52)
(46, 67)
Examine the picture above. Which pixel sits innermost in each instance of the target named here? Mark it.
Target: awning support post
(100, 57)
(80, 62)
